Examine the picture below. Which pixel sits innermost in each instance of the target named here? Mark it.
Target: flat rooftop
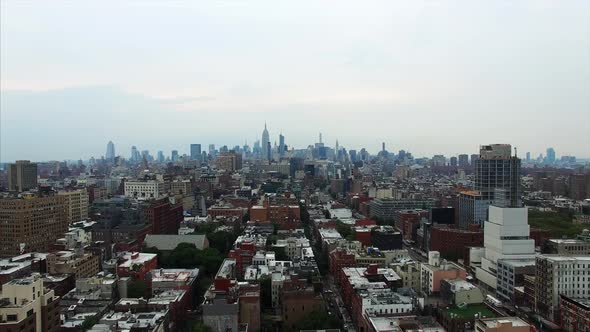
(493, 322)
(469, 311)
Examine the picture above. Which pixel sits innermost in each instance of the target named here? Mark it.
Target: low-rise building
(575, 314)
(167, 243)
(511, 274)
(136, 265)
(21, 266)
(502, 324)
(459, 291)
(80, 264)
(409, 271)
(433, 273)
(148, 189)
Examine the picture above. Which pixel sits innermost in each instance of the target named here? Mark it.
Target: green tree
(317, 320)
(88, 323)
(200, 327)
(344, 229)
(136, 289)
(280, 254)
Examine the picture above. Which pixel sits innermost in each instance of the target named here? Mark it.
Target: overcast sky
(426, 76)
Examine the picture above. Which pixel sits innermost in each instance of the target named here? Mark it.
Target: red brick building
(137, 265)
(407, 222)
(286, 216)
(339, 258)
(243, 254)
(363, 235)
(164, 216)
(365, 222)
(226, 211)
(540, 236)
(454, 242)
(575, 314)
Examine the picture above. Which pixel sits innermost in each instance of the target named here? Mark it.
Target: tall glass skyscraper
(495, 169)
(196, 152)
(110, 155)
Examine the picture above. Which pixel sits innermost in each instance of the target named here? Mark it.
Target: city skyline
(127, 152)
(428, 78)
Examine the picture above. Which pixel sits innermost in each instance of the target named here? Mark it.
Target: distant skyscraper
(110, 151)
(453, 161)
(22, 176)
(145, 154)
(474, 158)
(135, 156)
(352, 154)
(463, 160)
(550, 155)
(265, 143)
(528, 156)
(196, 152)
(383, 146)
(268, 151)
(161, 158)
(174, 155)
(281, 145)
(495, 169)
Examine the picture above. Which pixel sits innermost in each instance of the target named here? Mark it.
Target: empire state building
(265, 143)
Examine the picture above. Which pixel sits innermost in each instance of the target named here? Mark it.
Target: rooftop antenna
(515, 151)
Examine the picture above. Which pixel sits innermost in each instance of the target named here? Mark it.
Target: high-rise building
(135, 156)
(265, 143)
(174, 155)
(495, 169)
(506, 236)
(473, 208)
(474, 158)
(196, 152)
(145, 154)
(22, 176)
(110, 156)
(161, 158)
(463, 160)
(281, 145)
(528, 156)
(550, 155)
(31, 223)
(453, 161)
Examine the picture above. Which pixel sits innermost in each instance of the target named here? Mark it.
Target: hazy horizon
(430, 78)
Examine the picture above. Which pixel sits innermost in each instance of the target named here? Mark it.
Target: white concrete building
(556, 275)
(150, 189)
(506, 236)
(385, 301)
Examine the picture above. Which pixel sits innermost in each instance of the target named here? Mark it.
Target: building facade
(496, 168)
(560, 275)
(32, 223)
(77, 203)
(26, 305)
(22, 176)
